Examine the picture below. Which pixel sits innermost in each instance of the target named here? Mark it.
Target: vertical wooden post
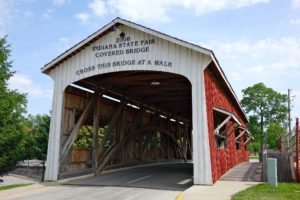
(109, 128)
(168, 141)
(75, 130)
(162, 152)
(121, 131)
(189, 148)
(140, 146)
(95, 132)
(138, 119)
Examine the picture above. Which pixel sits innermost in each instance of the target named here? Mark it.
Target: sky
(254, 40)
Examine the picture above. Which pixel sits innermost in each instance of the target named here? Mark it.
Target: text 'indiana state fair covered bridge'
(143, 96)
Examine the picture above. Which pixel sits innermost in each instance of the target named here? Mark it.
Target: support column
(53, 153)
(200, 137)
(95, 132)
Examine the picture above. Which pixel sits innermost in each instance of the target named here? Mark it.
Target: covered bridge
(152, 97)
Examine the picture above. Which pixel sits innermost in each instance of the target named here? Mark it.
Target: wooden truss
(128, 134)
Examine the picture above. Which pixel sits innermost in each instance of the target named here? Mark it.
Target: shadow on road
(247, 171)
(177, 177)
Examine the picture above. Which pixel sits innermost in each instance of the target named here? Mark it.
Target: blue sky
(254, 40)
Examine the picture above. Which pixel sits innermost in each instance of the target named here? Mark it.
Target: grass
(284, 191)
(256, 157)
(7, 187)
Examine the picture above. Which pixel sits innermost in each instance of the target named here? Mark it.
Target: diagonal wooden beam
(234, 129)
(75, 130)
(248, 140)
(108, 130)
(225, 132)
(118, 144)
(216, 131)
(166, 132)
(240, 135)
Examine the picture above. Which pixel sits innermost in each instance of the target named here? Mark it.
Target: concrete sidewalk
(12, 179)
(221, 190)
(236, 179)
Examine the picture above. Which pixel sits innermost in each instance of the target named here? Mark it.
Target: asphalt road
(148, 183)
(88, 192)
(175, 176)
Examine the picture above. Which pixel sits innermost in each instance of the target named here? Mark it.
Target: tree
(266, 105)
(254, 147)
(12, 108)
(85, 137)
(274, 131)
(253, 127)
(37, 136)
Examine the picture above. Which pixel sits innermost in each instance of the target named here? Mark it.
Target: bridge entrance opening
(125, 119)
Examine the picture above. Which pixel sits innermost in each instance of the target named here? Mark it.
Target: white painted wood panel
(180, 57)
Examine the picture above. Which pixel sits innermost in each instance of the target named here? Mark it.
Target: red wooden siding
(217, 95)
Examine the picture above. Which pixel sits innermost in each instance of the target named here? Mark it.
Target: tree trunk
(262, 132)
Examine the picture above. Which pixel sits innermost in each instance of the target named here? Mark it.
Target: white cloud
(142, 10)
(265, 55)
(59, 2)
(24, 84)
(296, 3)
(295, 94)
(48, 13)
(83, 17)
(158, 9)
(294, 21)
(98, 7)
(205, 6)
(276, 62)
(235, 76)
(28, 14)
(63, 44)
(63, 40)
(6, 9)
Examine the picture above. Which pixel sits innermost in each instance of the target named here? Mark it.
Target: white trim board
(227, 113)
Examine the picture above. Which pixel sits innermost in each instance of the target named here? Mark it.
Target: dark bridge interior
(125, 118)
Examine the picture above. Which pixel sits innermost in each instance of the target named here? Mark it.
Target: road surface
(148, 183)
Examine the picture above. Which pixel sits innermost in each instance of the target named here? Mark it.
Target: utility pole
(289, 119)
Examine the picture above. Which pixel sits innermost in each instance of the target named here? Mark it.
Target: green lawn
(288, 191)
(254, 157)
(6, 187)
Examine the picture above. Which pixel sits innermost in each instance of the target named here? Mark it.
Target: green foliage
(284, 191)
(265, 103)
(13, 106)
(85, 137)
(27, 146)
(265, 106)
(273, 135)
(36, 140)
(253, 127)
(254, 147)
